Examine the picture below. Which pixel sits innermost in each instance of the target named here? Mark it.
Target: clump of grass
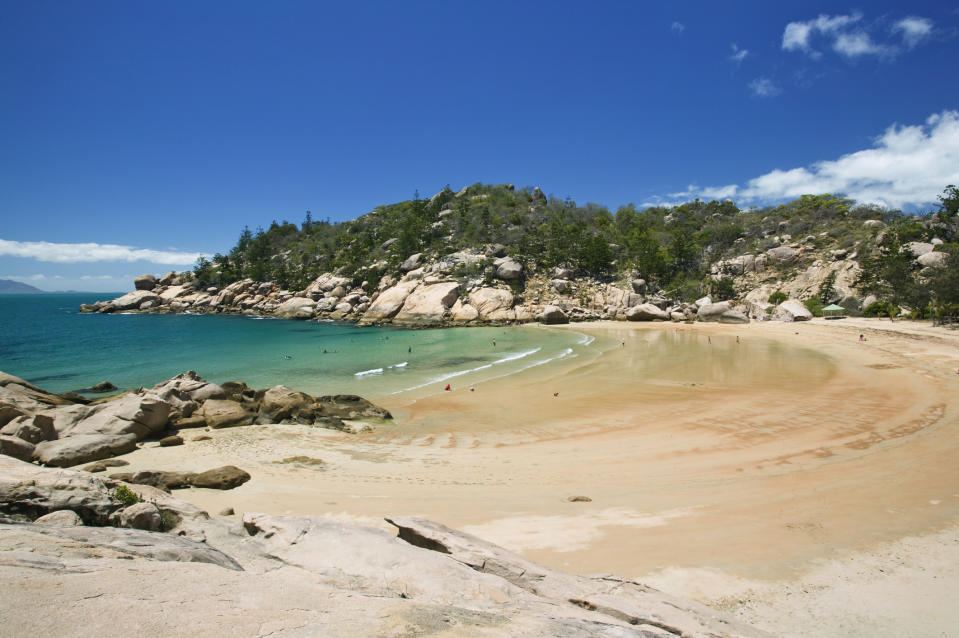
(126, 496)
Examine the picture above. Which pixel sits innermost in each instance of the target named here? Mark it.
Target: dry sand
(815, 497)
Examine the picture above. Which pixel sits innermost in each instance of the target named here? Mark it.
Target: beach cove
(778, 476)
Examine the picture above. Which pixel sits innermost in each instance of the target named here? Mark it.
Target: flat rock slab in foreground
(293, 576)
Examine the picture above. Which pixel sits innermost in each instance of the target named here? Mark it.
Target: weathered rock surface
(133, 300)
(140, 414)
(161, 480)
(493, 304)
(411, 263)
(83, 448)
(463, 312)
(143, 516)
(61, 518)
(223, 413)
(221, 478)
(918, 248)
(641, 607)
(31, 428)
(793, 310)
(349, 406)
(63, 550)
(721, 313)
(428, 304)
(508, 269)
(16, 447)
(782, 254)
(30, 491)
(145, 282)
(646, 312)
(932, 260)
(389, 302)
(553, 315)
(101, 466)
(305, 576)
(296, 308)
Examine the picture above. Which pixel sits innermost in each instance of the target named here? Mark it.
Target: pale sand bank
(750, 472)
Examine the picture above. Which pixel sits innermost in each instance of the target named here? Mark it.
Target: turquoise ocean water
(45, 340)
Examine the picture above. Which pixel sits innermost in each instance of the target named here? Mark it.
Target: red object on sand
(447, 387)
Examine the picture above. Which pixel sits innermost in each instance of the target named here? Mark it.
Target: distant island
(11, 287)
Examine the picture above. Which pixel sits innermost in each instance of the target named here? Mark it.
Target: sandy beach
(812, 494)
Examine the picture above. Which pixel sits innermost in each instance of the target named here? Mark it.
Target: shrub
(778, 297)
(815, 306)
(722, 289)
(168, 520)
(881, 309)
(126, 496)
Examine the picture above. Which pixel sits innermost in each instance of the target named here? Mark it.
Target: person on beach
(862, 337)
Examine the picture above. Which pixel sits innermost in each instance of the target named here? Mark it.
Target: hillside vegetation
(684, 251)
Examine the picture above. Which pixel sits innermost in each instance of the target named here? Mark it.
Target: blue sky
(136, 135)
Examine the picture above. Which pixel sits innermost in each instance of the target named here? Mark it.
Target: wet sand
(798, 487)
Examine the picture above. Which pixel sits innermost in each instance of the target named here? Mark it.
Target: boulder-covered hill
(491, 253)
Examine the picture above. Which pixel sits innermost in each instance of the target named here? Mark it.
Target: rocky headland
(425, 296)
(491, 254)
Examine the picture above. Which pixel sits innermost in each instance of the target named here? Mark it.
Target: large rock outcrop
(493, 304)
(389, 302)
(646, 312)
(38, 427)
(720, 312)
(430, 580)
(792, 310)
(296, 308)
(428, 304)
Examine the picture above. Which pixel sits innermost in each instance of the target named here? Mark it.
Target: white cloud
(738, 54)
(796, 35)
(719, 192)
(914, 29)
(764, 87)
(908, 165)
(678, 27)
(857, 43)
(74, 253)
(92, 277)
